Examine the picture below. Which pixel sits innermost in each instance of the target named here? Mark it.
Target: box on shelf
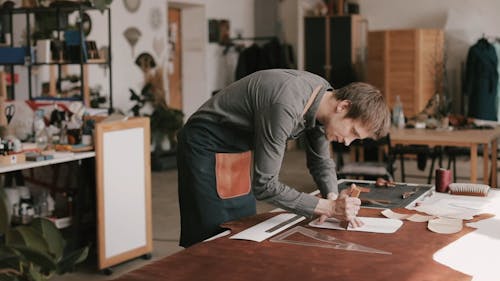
(61, 222)
(35, 156)
(12, 159)
(43, 54)
(12, 55)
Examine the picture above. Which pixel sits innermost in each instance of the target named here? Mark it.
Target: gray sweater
(269, 104)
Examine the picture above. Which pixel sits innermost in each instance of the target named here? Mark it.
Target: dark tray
(393, 195)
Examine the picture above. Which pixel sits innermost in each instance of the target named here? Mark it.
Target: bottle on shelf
(398, 116)
(44, 204)
(42, 138)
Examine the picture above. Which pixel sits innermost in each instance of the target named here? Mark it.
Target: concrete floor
(166, 212)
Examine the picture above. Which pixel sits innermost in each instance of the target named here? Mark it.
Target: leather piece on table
(232, 172)
(412, 248)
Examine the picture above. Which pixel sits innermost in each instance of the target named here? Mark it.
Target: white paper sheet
(459, 208)
(476, 253)
(377, 225)
(261, 231)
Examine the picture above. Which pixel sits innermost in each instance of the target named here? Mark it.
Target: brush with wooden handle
(355, 191)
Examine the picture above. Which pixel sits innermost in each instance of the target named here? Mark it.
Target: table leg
(486, 163)
(473, 163)
(494, 163)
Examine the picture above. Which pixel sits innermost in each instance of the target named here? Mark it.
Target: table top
(414, 249)
(444, 137)
(59, 157)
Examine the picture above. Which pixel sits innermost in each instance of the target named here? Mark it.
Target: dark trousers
(202, 210)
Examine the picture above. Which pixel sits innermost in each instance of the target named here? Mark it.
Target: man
(260, 113)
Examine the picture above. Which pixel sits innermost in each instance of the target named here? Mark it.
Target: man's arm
(272, 129)
(320, 164)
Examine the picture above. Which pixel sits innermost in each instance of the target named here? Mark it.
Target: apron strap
(311, 99)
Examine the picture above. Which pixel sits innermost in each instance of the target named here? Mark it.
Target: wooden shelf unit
(403, 62)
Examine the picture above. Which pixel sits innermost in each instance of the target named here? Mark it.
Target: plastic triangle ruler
(323, 241)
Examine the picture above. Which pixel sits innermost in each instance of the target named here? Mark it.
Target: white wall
(197, 86)
(205, 68)
(194, 76)
(464, 22)
(125, 73)
(240, 13)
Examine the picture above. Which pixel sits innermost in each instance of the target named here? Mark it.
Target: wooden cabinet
(335, 48)
(407, 63)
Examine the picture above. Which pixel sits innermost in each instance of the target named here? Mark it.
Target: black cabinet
(335, 48)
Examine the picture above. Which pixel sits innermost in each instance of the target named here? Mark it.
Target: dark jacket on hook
(272, 54)
(481, 79)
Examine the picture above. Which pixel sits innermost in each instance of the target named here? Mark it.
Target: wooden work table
(416, 254)
(470, 138)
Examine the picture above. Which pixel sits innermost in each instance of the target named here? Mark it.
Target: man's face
(340, 129)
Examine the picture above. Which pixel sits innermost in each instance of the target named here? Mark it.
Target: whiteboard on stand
(123, 190)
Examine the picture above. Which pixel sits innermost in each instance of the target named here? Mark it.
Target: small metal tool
(379, 202)
(280, 225)
(407, 194)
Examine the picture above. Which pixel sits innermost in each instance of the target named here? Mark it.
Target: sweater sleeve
(272, 128)
(319, 162)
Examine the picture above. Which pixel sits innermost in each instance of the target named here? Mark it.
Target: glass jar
(41, 136)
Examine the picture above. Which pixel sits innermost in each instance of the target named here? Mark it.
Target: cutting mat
(393, 195)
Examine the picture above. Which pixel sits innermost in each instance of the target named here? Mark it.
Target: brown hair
(368, 105)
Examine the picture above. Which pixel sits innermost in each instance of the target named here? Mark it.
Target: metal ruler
(323, 241)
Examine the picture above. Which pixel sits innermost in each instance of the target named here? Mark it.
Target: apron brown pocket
(232, 172)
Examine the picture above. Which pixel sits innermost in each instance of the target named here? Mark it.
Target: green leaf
(40, 259)
(9, 259)
(35, 275)
(69, 261)
(28, 236)
(6, 253)
(4, 212)
(51, 235)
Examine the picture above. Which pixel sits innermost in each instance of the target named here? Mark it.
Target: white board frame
(123, 167)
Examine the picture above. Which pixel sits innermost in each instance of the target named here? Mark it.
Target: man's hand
(342, 208)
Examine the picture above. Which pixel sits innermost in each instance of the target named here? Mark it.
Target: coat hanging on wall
(481, 78)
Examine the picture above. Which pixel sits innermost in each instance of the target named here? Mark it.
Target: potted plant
(33, 252)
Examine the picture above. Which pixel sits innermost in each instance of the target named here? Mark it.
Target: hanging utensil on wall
(132, 34)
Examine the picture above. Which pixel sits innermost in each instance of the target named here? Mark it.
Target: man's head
(355, 111)
(368, 105)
